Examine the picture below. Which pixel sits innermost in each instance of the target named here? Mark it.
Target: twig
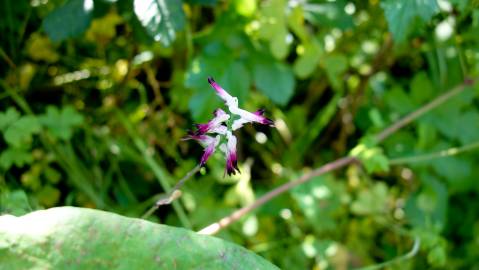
(440, 154)
(174, 193)
(414, 250)
(331, 166)
(424, 109)
(226, 221)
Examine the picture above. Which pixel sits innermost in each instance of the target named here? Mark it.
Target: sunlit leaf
(57, 236)
(161, 18)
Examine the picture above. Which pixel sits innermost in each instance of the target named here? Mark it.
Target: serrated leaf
(20, 132)
(61, 123)
(56, 237)
(15, 156)
(69, 20)
(275, 80)
(14, 202)
(8, 117)
(400, 14)
(161, 18)
(370, 155)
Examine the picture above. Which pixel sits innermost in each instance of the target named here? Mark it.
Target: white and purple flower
(223, 125)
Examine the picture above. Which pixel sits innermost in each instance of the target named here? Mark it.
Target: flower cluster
(218, 132)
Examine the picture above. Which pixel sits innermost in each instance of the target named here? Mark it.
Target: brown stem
(424, 109)
(331, 166)
(173, 194)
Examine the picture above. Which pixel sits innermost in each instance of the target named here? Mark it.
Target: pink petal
(209, 150)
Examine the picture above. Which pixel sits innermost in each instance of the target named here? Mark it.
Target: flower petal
(225, 96)
(247, 117)
(231, 157)
(209, 150)
(214, 124)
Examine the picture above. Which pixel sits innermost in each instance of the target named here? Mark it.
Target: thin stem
(334, 165)
(414, 250)
(440, 154)
(226, 221)
(424, 109)
(160, 173)
(173, 194)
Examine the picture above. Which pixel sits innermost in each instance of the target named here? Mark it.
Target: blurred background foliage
(96, 95)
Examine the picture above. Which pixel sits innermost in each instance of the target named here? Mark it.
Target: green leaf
(237, 80)
(331, 14)
(21, 131)
(399, 101)
(422, 89)
(335, 65)
(61, 123)
(371, 201)
(429, 206)
(69, 20)
(8, 117)
(57, 237)
(161, 18)
(16, 156)
(319, 200)
(371, 156)
(213, 61)
(307, 62)
(14, 202)
(400, 14)
(275, 80)
(245, 8)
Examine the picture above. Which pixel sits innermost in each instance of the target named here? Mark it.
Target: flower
(208, 142)
(232, 103)
(215, 124)
(230, 151)
(223, 126)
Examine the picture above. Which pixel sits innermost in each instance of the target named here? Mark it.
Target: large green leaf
(275, 80)
(69, 20)
(161, 18)
(76, 238)
(400, 14)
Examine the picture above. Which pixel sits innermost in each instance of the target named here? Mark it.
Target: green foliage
(275, 80)
(69, 20)
(370, 155)
(95, 97)
(161, 18)
(402, 14)
(61, 122)
(60, 234)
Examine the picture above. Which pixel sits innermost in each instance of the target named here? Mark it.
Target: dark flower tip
(210, 80)
(267, 121)
(259, 112)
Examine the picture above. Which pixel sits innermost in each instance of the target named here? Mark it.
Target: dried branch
(334, 165)
(174, 193)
